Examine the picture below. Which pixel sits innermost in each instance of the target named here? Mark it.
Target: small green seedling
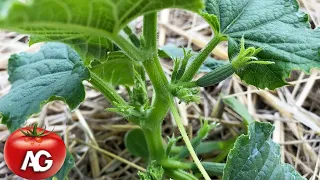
(91, 40)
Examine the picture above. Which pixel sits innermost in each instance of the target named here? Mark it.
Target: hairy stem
(109, 93)
(150, 32)
(130, 49)
(187, 140)
(151, 126)
(107, 90)
(154, 141)
(155, 72)
(161, 89)
(202, 56)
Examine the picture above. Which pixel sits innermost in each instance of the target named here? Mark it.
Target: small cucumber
(213, 169)
(217, 75)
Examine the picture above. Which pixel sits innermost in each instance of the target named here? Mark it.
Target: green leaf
(68, 164)
(239, 108)
(116, 69)
(85, 22)
(278, 27)
(136, 143)
(172, 51)
(213, 21)
(89, 47)
(54, 73)
(256, 156)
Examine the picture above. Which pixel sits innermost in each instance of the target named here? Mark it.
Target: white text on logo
(32, 160)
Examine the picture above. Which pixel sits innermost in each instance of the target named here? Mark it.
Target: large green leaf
(85, 22)
(89, 47)
(172, 51)
(278, 27)
(68, 164)
(256, 156)
(136, 143)
(56, 72)
(116, 69)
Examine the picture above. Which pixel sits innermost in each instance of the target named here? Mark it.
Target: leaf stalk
(202, 56)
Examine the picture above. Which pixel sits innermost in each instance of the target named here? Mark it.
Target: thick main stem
(154, 142)
(161, 89)
(152, 124)
(150, 32)
(162, 99)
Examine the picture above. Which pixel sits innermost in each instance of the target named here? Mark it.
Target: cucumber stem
(187, 140)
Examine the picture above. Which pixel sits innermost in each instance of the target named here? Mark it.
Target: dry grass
(294, 109)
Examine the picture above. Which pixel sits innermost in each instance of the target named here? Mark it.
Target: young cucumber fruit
(217, 75)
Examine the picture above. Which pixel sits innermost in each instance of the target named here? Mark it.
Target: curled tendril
(33, 131)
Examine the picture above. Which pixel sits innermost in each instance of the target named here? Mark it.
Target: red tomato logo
(34, 153)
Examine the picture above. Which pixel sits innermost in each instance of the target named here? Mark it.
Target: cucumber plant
(91, 40)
